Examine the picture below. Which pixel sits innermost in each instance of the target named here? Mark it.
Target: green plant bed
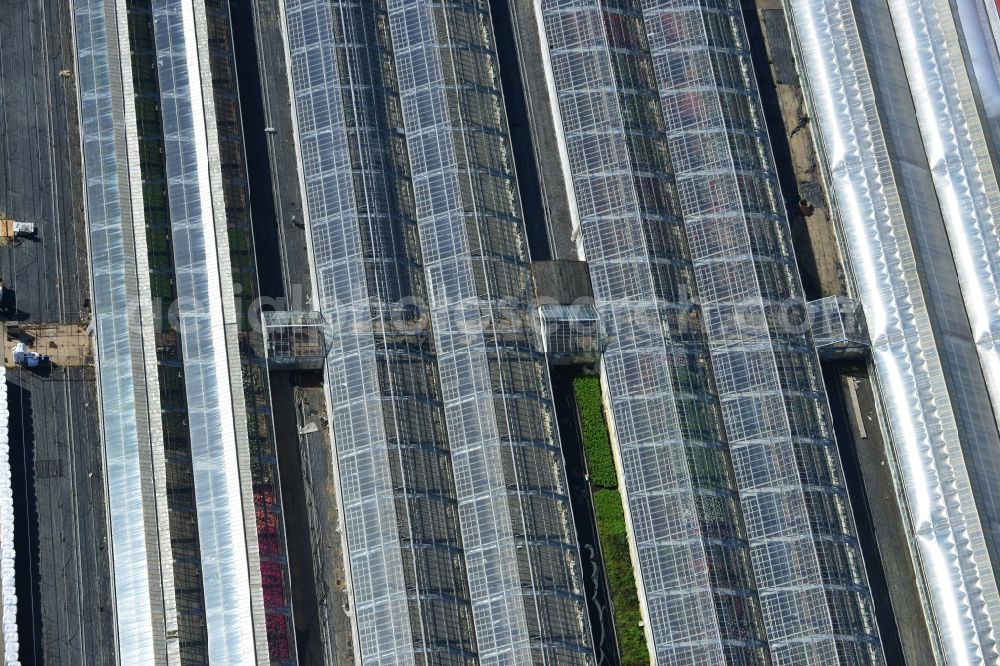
(596, 441)
(611, 531)
(610, 517)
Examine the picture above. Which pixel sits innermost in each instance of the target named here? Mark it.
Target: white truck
(26, 358)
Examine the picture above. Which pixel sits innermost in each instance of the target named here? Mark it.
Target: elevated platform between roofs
(838, 328)
(294, 340)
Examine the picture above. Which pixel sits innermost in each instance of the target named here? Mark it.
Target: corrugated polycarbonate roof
(131, 558)
(208, 326)
(948, 542)
(958, 157)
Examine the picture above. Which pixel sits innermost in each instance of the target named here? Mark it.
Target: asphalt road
(38, 143)
(881, 534)
(311, 520)
(270, 144)
(64, 592)
(62, 566)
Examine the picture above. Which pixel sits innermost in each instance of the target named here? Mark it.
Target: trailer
(10, 229)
